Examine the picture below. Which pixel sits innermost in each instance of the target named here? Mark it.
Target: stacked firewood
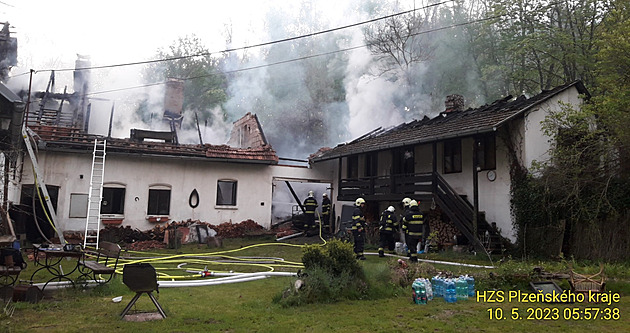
(446, 230)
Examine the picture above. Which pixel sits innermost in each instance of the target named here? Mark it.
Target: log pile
(446, 230)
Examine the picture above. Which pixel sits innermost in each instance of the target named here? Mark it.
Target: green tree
(204, 83)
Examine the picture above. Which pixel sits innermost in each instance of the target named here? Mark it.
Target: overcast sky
(51, 33)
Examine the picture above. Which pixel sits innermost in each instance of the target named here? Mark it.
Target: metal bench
(104, 264)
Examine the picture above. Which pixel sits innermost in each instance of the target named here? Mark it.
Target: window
(452, 156)
(371, 164)
(353, 166)
(78, 205)
(403, 160)
(159, 201)
(113, 200)
(226, 193)
(486, 153)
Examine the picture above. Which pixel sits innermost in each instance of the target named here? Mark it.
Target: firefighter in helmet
(388, 226)
(413, 225)
(358, 228)
(325, 211)
(310, 204)
(405, 205)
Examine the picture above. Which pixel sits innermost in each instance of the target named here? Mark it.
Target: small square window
(78, 205)
(226, 193)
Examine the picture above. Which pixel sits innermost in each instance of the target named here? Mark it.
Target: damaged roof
(68, 139)
(457, 124)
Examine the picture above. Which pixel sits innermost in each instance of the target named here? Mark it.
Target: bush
(331, 273)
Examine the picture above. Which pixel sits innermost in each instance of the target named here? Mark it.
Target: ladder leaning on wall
(39, 183)
(93, 221)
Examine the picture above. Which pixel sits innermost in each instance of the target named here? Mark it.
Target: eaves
(435, 138)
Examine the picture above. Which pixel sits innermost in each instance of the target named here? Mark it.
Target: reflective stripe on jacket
(358, 220)
(413, 222)
(309, 205)
(389, 223)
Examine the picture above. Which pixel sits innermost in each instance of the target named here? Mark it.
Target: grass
(248, 307)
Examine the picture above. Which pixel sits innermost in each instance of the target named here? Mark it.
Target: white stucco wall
(536, 144)
(137, 173)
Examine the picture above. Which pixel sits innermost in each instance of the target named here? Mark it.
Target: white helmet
(406, 202)
(359, 201)
(310, 193)
(413, 203)
(325, 194)
(391, 209)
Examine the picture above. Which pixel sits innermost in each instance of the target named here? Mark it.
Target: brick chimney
(174, 101)
(454, 103)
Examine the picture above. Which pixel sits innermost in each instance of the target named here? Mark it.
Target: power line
(252, 46)
(300, 58)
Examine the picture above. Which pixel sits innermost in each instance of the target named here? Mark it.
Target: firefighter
(310, 204)
(358, 228)
(388, 227)
(405, 204)
(325, 211)
(413, 225)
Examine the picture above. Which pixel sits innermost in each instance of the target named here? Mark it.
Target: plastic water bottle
(461, 288)
(439, 286)
(471, 286)
(450, 291)
(419, 292)
(429, 289)
(435, 287)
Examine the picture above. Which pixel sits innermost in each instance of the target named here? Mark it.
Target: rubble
(189, 231)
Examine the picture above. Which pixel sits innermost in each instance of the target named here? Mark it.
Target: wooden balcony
(388, 188)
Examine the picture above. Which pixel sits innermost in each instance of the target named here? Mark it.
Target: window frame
(114, 187)
(452, 156)
(71, 210)
(487, 152)
(157, 190)
(352, 170)
(232, 202)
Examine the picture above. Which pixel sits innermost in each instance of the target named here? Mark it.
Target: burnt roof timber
(485, 119)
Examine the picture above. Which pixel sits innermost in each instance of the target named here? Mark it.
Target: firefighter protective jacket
(310, 204)
(326, 206)
(389, 222)
(358, 220)
(413, 222)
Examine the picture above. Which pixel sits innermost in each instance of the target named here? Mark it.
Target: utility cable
(242, 48)
(291, 60)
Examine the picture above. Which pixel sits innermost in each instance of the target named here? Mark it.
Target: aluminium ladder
(39, 182)
(93, 221)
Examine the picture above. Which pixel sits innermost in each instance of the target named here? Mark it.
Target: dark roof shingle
(444, 126)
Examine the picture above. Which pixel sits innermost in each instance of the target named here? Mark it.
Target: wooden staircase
(461, 212)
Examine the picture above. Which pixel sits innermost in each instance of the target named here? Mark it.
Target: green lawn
(248, 307)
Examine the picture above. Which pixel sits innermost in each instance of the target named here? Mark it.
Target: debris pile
(146, 245)
(245, 228)
(190, 231)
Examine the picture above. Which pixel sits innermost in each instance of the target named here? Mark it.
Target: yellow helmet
(359, 201)
(413, 203)
(406, 201)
